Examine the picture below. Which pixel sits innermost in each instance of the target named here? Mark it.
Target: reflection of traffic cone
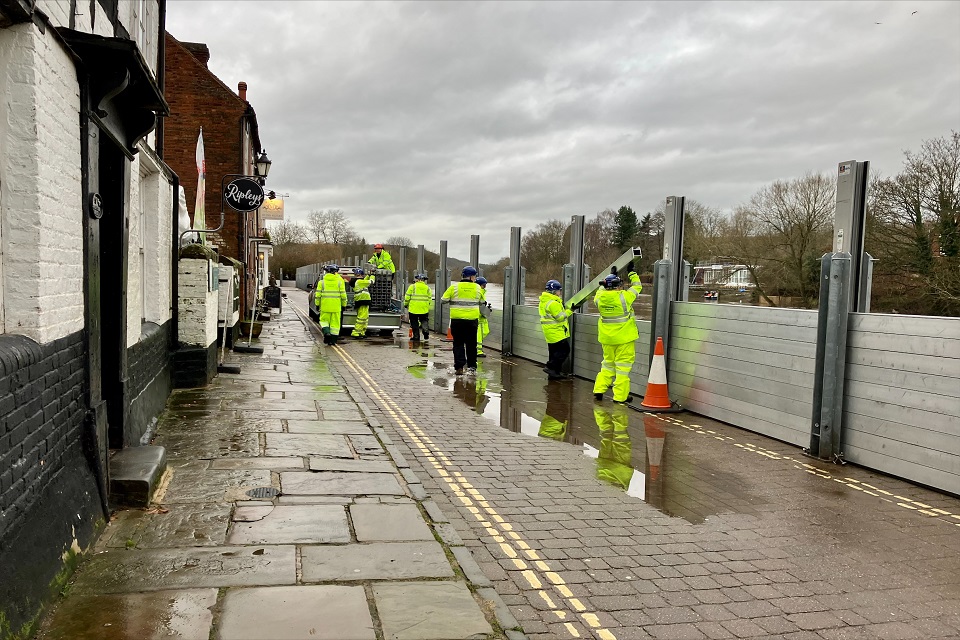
(655, 437)
(657, 396)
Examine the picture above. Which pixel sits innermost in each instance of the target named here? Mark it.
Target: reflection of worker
(483, 324)
(613, 460)
(381, 259)
(331, 298)
(472, 393)
(617, 334)
(556, 415)
(464, 298)
(361, 302)
(556, 329)
(417, 301)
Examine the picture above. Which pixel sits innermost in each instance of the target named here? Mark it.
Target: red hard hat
(378, 246)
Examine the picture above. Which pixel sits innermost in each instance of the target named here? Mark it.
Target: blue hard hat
(469, 271)
(420, 276)
(331, 268)
(554, 285)
(612, 281)
(358, 271)
(481, 281)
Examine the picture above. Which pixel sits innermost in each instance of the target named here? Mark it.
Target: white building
(86, 229)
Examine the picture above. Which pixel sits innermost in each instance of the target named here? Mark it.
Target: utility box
(272, 295)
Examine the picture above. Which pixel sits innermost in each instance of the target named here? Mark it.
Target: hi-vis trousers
(617, 362)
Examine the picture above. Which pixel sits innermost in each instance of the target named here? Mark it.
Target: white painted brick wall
(197, 320)
(41, 195)
(227, 311)
(134, 239)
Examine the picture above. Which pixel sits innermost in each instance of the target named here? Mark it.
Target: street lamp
(263, 164)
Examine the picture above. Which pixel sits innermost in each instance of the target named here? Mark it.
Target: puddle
(639, 453)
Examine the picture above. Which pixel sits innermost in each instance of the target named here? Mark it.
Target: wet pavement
(597, 521)
(286, 512)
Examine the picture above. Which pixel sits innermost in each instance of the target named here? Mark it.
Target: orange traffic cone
(411, 333)
(449, 337)
(657, 396)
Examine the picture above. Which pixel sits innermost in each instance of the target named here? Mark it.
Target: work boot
(481, 355)
(426, 336)
(598, 397)
(459, 371)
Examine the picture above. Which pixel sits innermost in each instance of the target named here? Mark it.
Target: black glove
(613, 271)
(630, 266)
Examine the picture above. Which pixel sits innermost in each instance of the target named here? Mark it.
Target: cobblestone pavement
(669, 527)
(346, 551)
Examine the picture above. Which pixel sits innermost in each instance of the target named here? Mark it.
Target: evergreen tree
(626, 228)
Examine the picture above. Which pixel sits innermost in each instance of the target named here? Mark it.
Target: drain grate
(264, 492)
(274, 361)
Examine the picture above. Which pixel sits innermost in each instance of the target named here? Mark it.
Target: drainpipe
(174, 268)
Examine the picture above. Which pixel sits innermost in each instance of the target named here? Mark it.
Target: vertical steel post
(576, 280)
(865, 290)
(515, 263)
(660, 320)
(685, 286)
(828, 384)
(511, 295)
(420, 267)
(673, 220)
(400, 279)
(441, 286)
(475, 252)
(850, 219)
(506, 332)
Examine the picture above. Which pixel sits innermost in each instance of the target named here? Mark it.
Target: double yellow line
(533, 568)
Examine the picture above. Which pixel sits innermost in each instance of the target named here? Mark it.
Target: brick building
(231, 142)
(86, 287)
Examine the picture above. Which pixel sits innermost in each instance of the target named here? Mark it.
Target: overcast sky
(436, 120)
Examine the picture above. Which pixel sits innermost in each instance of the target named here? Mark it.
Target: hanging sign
(272, 209)
(243, 194)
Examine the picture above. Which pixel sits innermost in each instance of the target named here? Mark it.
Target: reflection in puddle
(629, 449)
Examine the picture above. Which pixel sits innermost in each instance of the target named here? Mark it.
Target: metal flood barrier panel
(494, 339)
(902, 397)
(528, 339)
(588, 353)
(750, 366)
(528, 343)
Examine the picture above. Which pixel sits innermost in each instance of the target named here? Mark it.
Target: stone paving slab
(375, 561)
(353, 466)
(176, 525)
(266, 404)
(429, 611)
(389, 523)
(323, 612)
(195, 486)
(308, 444)
(259, 462)
(185, 568)
(365, 444)
(292, 524)
(334, 414)
(327, 427)
(338, 483)
(185, 614)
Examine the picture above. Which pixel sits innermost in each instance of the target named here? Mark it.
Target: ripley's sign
(243, 194)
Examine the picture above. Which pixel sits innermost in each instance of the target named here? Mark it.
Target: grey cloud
(438, 120)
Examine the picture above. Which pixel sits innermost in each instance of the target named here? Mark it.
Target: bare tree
(284, 232)
(316, 225)
(399, 241)
(793, 220)
(330, 226)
